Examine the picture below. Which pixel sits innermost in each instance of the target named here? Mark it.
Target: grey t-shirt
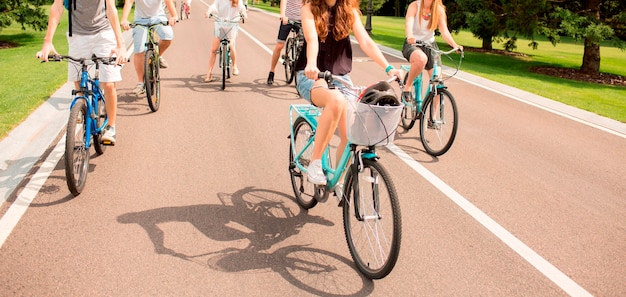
(89, 17)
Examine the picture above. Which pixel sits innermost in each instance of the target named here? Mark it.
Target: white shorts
(84, 46)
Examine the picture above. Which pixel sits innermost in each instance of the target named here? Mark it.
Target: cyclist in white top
(422, 18)
(228, 10)
(148, 12)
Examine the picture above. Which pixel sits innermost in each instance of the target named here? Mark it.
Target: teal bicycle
(436, 109)
(88, 118)
(371, 212)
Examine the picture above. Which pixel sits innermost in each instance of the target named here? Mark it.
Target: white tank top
(420, 27)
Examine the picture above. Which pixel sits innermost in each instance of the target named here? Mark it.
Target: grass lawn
(26, 83)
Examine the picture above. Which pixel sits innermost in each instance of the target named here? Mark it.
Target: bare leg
(214, 46)
(418, 60)
(110, 96)
(334, 110)
(276, 54)
(138, 62)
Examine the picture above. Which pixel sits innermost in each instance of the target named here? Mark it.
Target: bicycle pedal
(109, 143)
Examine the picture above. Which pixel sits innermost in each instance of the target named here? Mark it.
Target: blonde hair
(343, 17)
(434, 13)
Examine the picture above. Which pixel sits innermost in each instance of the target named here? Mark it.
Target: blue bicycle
(371, 212)
(88, 118)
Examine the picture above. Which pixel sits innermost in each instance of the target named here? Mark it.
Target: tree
(376, 5)
(496, 20)
(590, 20)
(24, 12)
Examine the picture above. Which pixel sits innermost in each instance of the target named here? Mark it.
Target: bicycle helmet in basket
(380, 93)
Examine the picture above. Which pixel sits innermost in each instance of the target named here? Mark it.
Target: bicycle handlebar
(133, 25)
(103, 60)
(428, 45)
(329, 77)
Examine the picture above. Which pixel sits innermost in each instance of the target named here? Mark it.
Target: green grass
(26, 83)
(608, 101)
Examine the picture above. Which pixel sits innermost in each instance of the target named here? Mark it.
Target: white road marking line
(30, 191)
(545, 267)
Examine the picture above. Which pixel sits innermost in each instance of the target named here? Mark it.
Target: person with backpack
(148, 12)
(94, 29)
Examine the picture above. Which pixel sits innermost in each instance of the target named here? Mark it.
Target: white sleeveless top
(420, 27)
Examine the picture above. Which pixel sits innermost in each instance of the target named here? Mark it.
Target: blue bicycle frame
(91, 93)
(310, 113)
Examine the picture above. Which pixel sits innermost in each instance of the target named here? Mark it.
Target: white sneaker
(315, 174)
(139, 89)
(163, 63)
(338, 190)
(108, 138)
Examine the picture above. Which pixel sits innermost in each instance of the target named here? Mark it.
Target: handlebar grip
(326, 75)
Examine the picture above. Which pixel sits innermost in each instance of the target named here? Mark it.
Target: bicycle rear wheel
(101, 117)
(371, 219)
(152, 81)
(302, 188)
(410, 110)
(290, 59)
(438, 123)
(76, 151)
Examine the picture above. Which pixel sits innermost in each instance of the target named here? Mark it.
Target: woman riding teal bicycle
(327, 25)
(422, 18)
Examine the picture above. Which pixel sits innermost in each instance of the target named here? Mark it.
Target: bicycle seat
(381, 93)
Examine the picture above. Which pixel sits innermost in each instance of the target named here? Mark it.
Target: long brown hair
(234, 3)
(343, 17)
(434, 13)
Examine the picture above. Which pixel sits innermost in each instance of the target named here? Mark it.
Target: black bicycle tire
(224, 60)
(298, 178)
(150, 61)
(101, 117)
(349, 205)
(409, 122)
(76, 174)
(289, 62)
(424, 124)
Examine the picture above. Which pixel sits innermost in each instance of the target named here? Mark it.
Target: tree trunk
(591, 58)
(487, 43)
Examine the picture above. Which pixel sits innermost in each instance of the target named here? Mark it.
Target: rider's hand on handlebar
(395, 72)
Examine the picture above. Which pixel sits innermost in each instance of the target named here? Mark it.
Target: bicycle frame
(90, 93)
(310, 113)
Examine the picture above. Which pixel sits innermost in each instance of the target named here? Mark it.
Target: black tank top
(334, 55)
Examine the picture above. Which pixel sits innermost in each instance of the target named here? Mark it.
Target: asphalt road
(195, 199)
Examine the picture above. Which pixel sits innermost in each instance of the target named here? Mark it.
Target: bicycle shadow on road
(261, 218)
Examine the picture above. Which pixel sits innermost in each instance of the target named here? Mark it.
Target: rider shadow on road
(263, 218)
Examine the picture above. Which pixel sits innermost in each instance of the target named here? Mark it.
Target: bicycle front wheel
(101, 117)
(76, 150)
(224, 60)
(152, 81)
(290, 59)
(302, 188)
(371, 219)
(438, 123)
(410, 109)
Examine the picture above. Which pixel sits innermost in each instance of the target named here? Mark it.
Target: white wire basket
(225, 30)
(372, 124)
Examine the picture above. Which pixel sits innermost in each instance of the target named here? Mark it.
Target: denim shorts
(304, 84)
(140, 33)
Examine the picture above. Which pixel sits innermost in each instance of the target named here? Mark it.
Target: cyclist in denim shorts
(149, 12)
(327, 47)
(94, 30)
(289, 10)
